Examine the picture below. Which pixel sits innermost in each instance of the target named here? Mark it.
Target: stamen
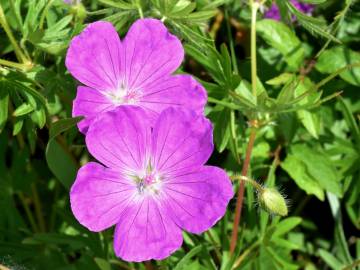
(124, 95)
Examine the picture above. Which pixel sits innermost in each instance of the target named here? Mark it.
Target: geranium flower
(152, 182)
(274, 13)
(134, 71)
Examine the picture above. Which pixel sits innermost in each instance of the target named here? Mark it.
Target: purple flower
(134, 71)
(274, 13)
(153, 182)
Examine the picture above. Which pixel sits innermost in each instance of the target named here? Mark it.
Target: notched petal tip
(93, 56)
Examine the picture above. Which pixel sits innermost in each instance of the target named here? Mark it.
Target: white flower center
(124, 95)
(148, 183)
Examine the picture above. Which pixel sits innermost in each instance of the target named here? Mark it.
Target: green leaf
(221, 120)
(330, 259)
(313, 25)
(280, 242)
(279, 36)
(61, 163)
(4, 104)
(320, 167)
(339, 229)
(19, 122)
(182, 9)
(103, 264)
(59, 160)
(201, 15)
(186, 259)
(297, 170)
(351, 121)
(244, 95)
(310, 121)
(280, 261)
(283, 78)
(39, 117)
(62, 125)
(286, 225)
(23, 109)
(118, 4)
(340, 57)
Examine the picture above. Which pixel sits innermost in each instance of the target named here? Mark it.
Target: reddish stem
(240, 194)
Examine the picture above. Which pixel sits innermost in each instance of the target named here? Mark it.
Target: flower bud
(77, 9)
(273, 201)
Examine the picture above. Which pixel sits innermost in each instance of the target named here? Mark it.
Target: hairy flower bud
(273, 201)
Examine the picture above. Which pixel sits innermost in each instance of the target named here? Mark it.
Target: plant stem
(226, 104)
(28, 212)
(352, 266)
(231, 42)
(38, 210)
(17, 17)
(22, 67)
(216, 246)
(43, 15)
(336, 73)
(53, 208)
(2, 267)
(234, 135)
(141, 14)
(254, 9)
(245, 254)
(240, 194)
(18, 52)
(248, 180)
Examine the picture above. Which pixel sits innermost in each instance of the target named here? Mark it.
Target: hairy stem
(254, 9)
(240, 194)
(248, 180)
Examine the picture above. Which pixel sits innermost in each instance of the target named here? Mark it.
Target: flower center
(123, 95)
(150, 183)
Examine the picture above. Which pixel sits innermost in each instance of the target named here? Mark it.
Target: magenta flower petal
(153, 174)
(98, 195)
(177, 91)
(91, 103)
(94, 56)
(151, 53)
(137, 71)
(146, 232)
(180, 140)
(120, 139)
(197, 198)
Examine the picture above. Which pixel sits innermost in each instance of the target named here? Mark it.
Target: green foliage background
(306, 112)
